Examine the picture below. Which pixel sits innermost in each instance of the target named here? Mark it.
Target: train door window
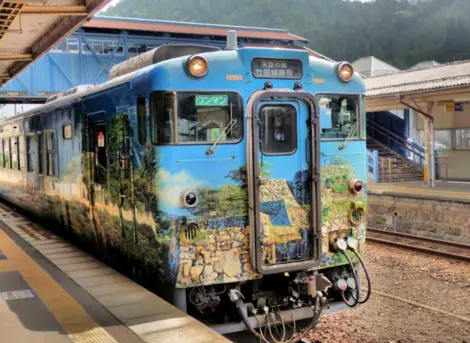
(141, 120)
(6, 156)
(40, 154)
(21, 153)
(51, 154)
(101, 158)
(162, 110)
(1, 153)
(31, 146)
(278, 130)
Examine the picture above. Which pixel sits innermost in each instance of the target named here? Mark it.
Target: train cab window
(51, 154)
(40, 154)
(207, 118)
(339, 116)
(162, 109)
(6, 154)
(141, 120)
(31, 146)
(278, 130)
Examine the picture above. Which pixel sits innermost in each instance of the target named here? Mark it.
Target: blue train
(231, 181)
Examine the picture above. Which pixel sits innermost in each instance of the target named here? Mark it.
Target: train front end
(261, 185)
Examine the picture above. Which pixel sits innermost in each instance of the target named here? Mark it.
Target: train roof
(69, 96)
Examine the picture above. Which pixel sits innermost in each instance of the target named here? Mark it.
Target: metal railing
(413, 152)
(386, 168)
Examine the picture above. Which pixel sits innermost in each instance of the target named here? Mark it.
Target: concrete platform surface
(51, 291)
(446, 191)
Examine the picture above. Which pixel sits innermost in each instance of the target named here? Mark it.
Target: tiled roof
(448, 75)
(189, 28)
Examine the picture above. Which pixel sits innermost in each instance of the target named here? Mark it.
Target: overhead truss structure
(29, 29)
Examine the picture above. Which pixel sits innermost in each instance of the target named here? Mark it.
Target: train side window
(141, 120)
(1, 153)
(40, 154)
(6, 154)
(31, 147)
(51, 154)
(14, 152)
(162, 109)
(67, 132)
(21, 153)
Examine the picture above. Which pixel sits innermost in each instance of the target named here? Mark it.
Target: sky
(113, 2)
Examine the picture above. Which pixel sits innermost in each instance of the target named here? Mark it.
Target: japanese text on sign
(211, 100)
(276, 69)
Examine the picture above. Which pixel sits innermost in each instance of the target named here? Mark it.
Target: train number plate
(267, 68)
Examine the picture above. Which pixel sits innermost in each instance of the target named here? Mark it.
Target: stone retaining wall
(440, 219)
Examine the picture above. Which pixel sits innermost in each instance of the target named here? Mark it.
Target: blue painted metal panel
(86, 58)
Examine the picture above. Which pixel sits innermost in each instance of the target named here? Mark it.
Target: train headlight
(190, 199)
(356, 186)
(345, 71)
(197, 66)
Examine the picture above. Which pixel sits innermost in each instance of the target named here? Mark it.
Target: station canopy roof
(444, 82)
(28, 29)
(185, 28)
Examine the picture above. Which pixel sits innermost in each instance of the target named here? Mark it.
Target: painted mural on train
(210, 242)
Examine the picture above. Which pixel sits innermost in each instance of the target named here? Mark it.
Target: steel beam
(65, 26)
(18, 57)
(55, 10)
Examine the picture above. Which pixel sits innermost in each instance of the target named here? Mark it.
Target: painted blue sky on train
(190, 169)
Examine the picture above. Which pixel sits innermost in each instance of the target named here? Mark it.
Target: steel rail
(406, 238)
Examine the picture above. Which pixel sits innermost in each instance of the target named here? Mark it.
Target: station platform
(411, 207)
(51, 291)
(449, 190)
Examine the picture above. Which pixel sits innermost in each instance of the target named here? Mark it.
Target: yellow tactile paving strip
(80, 327)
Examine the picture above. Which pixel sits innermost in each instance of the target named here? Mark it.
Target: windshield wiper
(345, 143)
(227, 129)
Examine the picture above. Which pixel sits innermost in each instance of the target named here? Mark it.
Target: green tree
(398, 32)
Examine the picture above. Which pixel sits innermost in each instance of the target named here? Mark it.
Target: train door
(97, 163)
(125, 164)
(284, 189)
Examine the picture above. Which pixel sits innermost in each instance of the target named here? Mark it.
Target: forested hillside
(395, 31)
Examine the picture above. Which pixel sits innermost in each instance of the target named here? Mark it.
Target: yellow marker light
(345, 71)
(197, 66)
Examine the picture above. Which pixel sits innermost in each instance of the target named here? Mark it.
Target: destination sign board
(212, 100)
(267, 68)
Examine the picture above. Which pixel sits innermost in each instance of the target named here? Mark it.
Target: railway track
(429, 245)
